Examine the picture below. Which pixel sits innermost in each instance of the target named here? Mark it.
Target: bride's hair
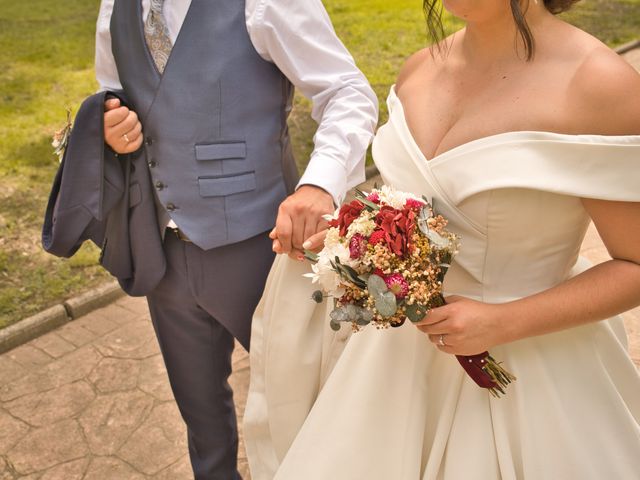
(433, 13)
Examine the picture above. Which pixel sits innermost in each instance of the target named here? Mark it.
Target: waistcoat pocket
(221, 151)
(226, 185)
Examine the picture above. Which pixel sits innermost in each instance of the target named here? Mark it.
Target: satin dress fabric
(388, 405)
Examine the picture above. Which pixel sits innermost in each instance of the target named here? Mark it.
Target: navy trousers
(205, 300)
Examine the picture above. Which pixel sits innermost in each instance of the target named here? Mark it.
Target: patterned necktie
(156, 34)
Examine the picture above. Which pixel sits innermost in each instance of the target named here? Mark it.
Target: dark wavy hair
(433, 13)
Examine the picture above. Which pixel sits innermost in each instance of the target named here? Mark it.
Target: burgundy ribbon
(473, 364)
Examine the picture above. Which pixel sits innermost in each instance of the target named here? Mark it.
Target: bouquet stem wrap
(485, 370)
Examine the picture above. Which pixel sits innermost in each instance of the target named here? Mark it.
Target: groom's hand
(300, 219)
(122, 129)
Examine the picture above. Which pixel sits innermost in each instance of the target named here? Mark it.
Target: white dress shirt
(297, 36)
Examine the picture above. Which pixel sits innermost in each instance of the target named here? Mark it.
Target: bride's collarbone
(440, 123)
(449, 107)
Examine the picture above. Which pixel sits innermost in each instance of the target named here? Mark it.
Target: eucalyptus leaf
(352, 312)
(437, 239)
(376, 285)
(386, 304)
(423, 218)
(317, 296)
(415, 312)
(339, 315)
(364, 316)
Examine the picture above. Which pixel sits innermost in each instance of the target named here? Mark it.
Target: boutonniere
(61, 137)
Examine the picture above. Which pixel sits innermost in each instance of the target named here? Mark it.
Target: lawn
(46, 65)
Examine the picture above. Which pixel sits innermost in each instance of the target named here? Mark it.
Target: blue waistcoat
(215, 122)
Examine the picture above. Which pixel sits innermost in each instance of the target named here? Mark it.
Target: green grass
(46, 64)
(614, 22)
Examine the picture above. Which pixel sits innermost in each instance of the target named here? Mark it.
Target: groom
(210, 84)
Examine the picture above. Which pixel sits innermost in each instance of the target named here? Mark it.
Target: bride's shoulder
(422, 61)
(413, 64)
(606, 88)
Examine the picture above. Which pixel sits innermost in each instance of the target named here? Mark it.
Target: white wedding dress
(387, 405)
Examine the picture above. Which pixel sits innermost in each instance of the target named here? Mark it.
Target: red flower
(348, 213)
(376, 237)
(357, 246)
(373, 197)
(397, 285)
(413, 204)
(378, 272)
(398, 226)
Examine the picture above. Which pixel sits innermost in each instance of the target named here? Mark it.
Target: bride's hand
(466, 327)
(314, 243)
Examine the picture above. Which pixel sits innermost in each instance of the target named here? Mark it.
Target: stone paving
(91, 399)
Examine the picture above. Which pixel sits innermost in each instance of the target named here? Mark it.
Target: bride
(522, 129)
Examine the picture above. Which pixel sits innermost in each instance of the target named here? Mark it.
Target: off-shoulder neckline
(515, 136)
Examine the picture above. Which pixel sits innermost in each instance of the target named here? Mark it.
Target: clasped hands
(300, 224)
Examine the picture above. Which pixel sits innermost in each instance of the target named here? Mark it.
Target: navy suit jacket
(107, 198)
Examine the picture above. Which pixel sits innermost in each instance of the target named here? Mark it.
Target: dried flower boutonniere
(61, 137)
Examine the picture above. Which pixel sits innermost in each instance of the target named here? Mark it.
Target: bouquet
(384, 260)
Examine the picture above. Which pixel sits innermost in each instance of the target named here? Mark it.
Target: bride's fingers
(434, 316)
(435, 329)
(296, 254)
(276, 246)
(315, 242)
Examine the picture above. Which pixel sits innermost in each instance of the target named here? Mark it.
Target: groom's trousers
(205, 299)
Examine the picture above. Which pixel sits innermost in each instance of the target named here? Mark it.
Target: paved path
(91, 400)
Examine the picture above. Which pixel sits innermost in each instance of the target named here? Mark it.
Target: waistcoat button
(171, 207)
(148, 141)
(152, 164)
(160, 185)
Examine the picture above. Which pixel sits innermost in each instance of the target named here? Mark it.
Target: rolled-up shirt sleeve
(298, 37)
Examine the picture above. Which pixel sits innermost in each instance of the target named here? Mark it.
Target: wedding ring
(126, 139)
(441, 341)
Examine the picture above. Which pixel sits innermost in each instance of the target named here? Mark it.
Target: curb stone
(76, 307)
(627, 47)
(32, 327)
(93, 299)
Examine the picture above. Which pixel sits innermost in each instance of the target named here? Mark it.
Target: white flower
(395, 198)
(364, 225)
(333, 238)
(323, 272)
